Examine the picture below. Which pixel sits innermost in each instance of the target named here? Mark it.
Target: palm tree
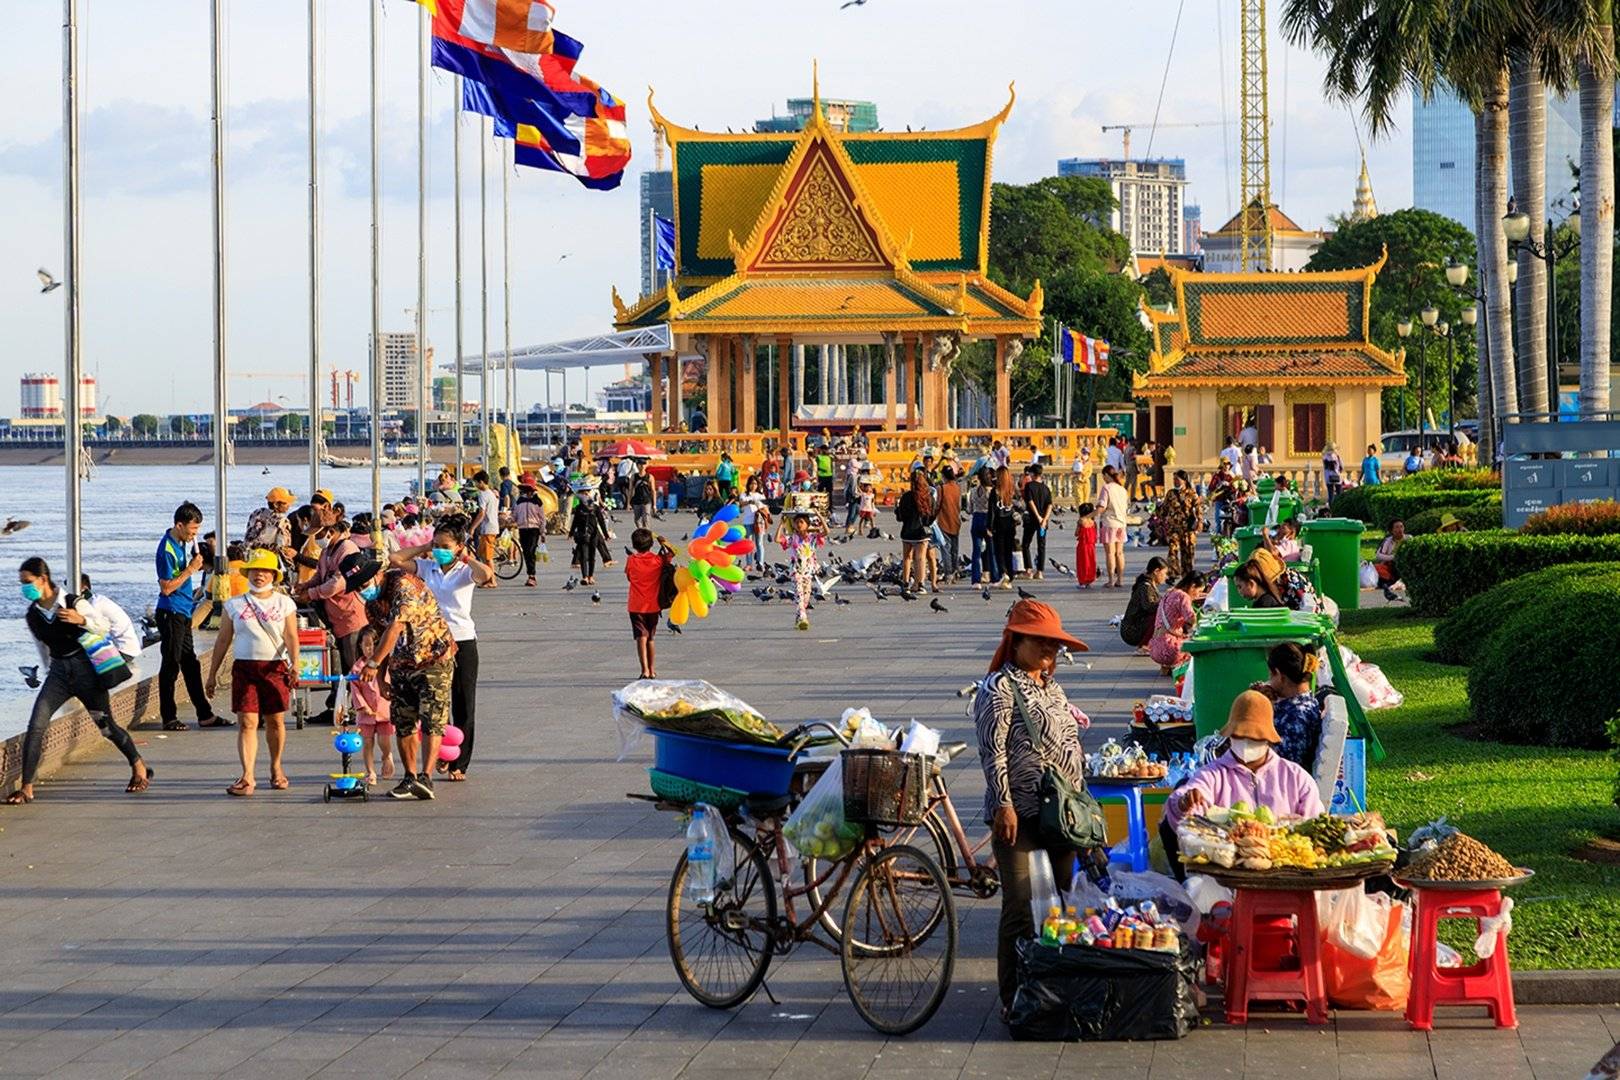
(1596, 63)
(1527, 137)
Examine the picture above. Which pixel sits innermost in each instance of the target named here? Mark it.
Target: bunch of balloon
(713, 554)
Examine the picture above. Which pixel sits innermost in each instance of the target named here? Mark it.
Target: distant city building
(632, 395)
(1443, 155)
(1149, 195)
(843, 114)
(400, 369)
(1291, 246)
(1192, 229)
(41, 397)
(657, 197)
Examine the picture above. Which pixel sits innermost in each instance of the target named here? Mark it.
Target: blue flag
(663, 243)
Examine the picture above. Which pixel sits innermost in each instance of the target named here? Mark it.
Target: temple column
(843, 374)
(929, 395)
(655, 407)
(1003, 387)
(787, 355)
(888, 383)
(798, 375)
(712, 376)
(748, 386)
(908, 368)
(866, 374)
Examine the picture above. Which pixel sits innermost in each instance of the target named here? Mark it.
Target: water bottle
(545, 554)
(700, 859)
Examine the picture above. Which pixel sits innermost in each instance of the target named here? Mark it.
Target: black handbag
(1071, 816)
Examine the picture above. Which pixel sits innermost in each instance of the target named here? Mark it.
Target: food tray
(678, 789)
(1524, 874)
(1129, 781)
(1292, 879)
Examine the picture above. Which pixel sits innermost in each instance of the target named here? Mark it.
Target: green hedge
(1547, 676)
(1397, 502)
(1485, 515)
(1356, 502)
(1459, 637)
(1443, 570)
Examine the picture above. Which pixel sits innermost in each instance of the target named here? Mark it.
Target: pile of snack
(1116, 762)
(1251, 839)
(1458, 857)
(1164, 709)
(693, 707)
(1139, 926)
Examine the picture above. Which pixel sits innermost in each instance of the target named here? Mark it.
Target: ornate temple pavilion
(1288, 352)
(823, 240)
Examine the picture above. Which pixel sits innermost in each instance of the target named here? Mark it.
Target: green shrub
(1614, 738)
(1443, 570)
(1465, 479)
(1460, 636)
(1576, 519)
(1397, 502)
(1485, 515)
(1547, 675)
(1356, 502)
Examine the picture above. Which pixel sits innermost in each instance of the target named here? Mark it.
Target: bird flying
(46, 281)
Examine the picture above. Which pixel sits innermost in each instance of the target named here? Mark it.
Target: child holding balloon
(808, 533)
(370, 701)
(645, 571)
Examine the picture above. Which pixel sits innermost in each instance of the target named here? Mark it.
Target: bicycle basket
(884, 787)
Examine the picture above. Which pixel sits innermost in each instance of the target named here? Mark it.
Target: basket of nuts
(1458, 861)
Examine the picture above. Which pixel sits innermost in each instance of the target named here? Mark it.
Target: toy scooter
(347, 742)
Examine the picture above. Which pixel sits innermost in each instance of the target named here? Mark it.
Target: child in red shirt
(646, 573)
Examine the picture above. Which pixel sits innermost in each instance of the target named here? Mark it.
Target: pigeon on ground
(596, 598)
(1025, 594)
(986, 594)
(840, 601)
(1060, 568)
(30, 676)
(674, 629)
(907, 595)
(684, 535)
(571, 584)
(935, 605)
(878, 592)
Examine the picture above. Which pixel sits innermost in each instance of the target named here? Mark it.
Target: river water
(125, 509)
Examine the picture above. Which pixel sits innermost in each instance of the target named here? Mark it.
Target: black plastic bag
(1081, 992)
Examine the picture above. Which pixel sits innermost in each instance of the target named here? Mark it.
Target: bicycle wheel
(721, 950)
(899, 942)
(508, 557)
(931, 836)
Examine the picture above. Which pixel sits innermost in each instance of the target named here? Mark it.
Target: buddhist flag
(1087, 354)
(594, 150)
(519, 25)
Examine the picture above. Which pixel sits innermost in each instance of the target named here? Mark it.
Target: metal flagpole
(314, 432)
(221, 404)
(376, 275)
(70, 272)
(506, 305)
(483, 285)
(461, 367)
(423, 372)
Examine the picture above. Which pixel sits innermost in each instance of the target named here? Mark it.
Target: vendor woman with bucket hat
(1249, 771)
(1021, 694)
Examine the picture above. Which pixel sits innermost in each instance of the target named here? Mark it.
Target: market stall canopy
(633, 448)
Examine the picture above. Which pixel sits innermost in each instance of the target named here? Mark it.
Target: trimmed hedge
(1576, 519)
(1485, 515)
(1443, 570)
(1459, 637)
(1547, 676)
(1356, 502)
(1400, 503)
(1465, 479)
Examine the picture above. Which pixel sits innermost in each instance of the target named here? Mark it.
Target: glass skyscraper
(1443, 155)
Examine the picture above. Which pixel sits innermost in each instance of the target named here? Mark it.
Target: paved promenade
(513, 927)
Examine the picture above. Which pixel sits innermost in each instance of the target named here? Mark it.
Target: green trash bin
(1287, 507)
(1336, 543)
(1264, 486)
(1248, 538)
(1229, 653)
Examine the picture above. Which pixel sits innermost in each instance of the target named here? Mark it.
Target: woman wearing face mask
(450, 572)
(57, 621)
(260, 633)
(1249, 771)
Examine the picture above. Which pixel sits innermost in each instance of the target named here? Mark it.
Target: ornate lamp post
(1404, 329)
(1516, 227)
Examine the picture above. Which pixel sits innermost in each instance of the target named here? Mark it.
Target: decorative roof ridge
(1179, 275)
(625, 315)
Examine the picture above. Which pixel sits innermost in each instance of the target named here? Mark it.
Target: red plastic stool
(1488, 982)
(1248, 980)
(1273, 943)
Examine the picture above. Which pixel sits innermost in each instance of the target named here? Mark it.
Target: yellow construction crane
(1125, 130)
(1254, 172)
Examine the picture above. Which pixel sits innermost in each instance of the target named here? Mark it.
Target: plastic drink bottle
(700, 858)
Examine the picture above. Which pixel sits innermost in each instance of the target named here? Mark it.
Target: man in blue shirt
(179, 568)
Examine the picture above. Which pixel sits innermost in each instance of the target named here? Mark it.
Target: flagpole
(314, 432)
(461, 367)
(483, 285)
(221, 404)
(423, 372)
(376, 274)
(506, 307)
(71, 432)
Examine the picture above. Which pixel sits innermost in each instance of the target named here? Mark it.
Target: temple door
(1265, 425)
(1163, 424)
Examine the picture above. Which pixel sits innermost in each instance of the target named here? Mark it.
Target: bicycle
(508, 560)
(897, 953)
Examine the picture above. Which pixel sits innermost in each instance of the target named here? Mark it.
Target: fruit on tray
(1291, 849)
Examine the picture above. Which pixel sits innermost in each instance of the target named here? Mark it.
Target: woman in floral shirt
(421, 657)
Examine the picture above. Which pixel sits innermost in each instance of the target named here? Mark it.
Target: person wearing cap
(1251, 770)
(529, 515)
(1021, 693)
(341, 609)
(260, 632)
(268, 527)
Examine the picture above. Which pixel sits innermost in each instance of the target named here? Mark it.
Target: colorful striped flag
(1084, 353)
(594, 150)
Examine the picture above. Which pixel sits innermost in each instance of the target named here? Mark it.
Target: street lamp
(1444, 330)
(1457, 278)
(1404, 329)
(1516, 227)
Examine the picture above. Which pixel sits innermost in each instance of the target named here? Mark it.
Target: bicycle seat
(950, 750)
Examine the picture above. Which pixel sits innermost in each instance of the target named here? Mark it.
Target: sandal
(215, 721)
(138, 784)
(456, 777)
(371, 779)
(18, 797)
(280, 783)
(241, 787)
(174, 725)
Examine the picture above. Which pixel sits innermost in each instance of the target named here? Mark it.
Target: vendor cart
(317, 663)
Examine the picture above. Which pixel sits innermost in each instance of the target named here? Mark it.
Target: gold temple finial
(1036, 302)
(815, 88)
(618, 305)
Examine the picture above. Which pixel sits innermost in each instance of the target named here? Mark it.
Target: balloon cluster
(714, 552)
(450, 744)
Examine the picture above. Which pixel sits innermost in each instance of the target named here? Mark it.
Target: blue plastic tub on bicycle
(758, 770)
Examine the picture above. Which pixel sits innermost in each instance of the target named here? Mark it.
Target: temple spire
(1366, 207)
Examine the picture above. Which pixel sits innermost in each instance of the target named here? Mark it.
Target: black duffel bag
(1081, 992)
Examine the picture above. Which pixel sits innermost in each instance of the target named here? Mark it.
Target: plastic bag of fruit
(817, 828)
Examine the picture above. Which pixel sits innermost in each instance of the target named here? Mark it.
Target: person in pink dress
(1178, 615)
(369, 699)
(1085, 546)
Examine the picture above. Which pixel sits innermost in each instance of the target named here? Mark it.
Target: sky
(146, 278)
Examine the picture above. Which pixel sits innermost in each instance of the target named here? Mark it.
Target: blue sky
(1078, 64)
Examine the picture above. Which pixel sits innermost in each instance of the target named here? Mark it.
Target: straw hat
(1250, 718)
(1033, 619)
(262, 559)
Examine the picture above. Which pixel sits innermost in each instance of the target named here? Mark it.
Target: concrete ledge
(1598, 987)
(73, 735)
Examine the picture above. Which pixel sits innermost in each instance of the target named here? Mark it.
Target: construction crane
(1254, 139)
(1125, 130)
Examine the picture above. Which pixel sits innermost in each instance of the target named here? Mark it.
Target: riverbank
(200, 454)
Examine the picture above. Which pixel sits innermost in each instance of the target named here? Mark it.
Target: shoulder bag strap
(280, 639)
(1029, 722)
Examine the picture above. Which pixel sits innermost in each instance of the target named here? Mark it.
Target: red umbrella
(631, 448)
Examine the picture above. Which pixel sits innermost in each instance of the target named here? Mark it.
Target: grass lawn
(1533, 805)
